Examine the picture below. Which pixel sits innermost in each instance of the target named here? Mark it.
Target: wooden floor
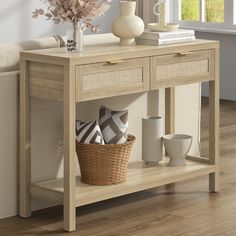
(186, 211)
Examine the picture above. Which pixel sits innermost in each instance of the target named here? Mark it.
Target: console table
(104, 71)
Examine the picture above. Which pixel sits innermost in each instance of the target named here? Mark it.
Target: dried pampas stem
(74, 11)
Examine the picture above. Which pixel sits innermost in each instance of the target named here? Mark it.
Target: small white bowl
(156, 27)
(172, 27)
(177, 147)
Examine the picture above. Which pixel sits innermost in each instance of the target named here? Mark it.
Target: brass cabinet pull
(115, 62)
(183, 54)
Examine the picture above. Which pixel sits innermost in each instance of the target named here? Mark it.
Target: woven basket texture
(104, 164)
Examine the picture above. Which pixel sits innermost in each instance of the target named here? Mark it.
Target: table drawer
(112, 78)
(182, 68)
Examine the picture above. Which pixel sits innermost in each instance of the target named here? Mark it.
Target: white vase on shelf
(127, 26)
(152, 132)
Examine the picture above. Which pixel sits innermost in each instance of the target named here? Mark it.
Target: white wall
(227, 64)
(16, 23)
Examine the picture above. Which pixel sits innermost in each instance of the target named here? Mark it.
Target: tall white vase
(127, 26)
(152, 133)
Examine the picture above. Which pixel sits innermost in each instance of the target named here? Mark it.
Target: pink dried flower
(74, 11)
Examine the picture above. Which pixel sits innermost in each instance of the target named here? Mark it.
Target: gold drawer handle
(183, 54)
(115, 62)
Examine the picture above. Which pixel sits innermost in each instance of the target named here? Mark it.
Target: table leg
(214, 144)
(214, 136)
(170, 117)
(169, 110)
(25, 141)
(69, 148)
(214, 123)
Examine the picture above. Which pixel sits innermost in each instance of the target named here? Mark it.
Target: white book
(166, 41)
(166, 35)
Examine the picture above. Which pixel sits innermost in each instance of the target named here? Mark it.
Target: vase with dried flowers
(80, 14)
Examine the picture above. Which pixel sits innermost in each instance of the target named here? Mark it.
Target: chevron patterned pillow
(114, 125)
(89, 132)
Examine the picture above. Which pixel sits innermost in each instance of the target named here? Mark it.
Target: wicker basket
(104, 164)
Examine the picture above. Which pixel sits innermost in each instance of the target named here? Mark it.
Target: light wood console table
(105, 71)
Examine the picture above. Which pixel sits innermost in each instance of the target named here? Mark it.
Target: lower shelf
(140, 177)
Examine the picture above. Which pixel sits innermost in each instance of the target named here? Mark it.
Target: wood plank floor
(189, 210)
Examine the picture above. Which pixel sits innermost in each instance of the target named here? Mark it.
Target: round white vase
(127, 26)
(152, 132)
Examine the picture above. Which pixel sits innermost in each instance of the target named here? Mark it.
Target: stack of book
(164, 38)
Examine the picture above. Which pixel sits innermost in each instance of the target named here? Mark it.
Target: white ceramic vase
(127, 26)
(152, 132)
(177, 147)
(74, 38)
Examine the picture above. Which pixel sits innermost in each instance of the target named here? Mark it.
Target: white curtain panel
(145, 10)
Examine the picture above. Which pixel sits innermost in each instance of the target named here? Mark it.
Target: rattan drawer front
(182, 68)
(112, 78)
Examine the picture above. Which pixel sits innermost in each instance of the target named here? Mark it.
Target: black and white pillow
(114, 125)
(89, 132)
